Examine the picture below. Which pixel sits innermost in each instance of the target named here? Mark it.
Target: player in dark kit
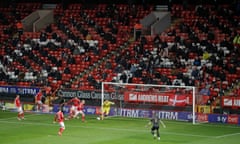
(62, 104)
(155, 122)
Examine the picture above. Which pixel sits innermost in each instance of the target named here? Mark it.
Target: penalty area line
(227, 135)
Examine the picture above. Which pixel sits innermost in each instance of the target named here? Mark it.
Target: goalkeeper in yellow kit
(106, 108)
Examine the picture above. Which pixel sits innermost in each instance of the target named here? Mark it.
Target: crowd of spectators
(189, 59)
(207, 58)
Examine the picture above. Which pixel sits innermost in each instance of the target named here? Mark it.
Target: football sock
(83, 118)
(61, 130)
(22, 115)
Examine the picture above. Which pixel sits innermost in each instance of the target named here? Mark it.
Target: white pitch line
(184, 134)
(15, 117)
(227, 135)
(205, 124)
(181, 122)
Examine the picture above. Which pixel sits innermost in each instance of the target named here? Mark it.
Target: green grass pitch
(39, 129)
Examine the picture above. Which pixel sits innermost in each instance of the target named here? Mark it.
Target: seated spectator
(138, 49)
(67, 70)
(206, 55)
(177, 82)
(98, 84)
(197, 61)
(76, 50)
(104, 75)
(123, 77)
(133, 68)
(236, 91)
(3, 75)
(232, 69)
(236, 40)
(164, 78)
(48, 29)
(87, 58)
(105, 45)
(91, 79)
(110, 24)
(138, 72)
(88, 37)
(143, 40)
(156, 40)
(95, 49)
(171, 32)
(71, 60)
(205, 91)
(19, 26)
(108, 65)
(119, 69)
(195, 73)
(43, 37)
(108, 36)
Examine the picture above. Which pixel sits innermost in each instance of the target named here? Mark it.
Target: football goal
(143, 100)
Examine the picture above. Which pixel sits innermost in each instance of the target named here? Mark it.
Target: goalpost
(143, 100)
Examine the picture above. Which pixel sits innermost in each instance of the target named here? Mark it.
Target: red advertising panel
(233, 119)
(202, 117)
(162, 98)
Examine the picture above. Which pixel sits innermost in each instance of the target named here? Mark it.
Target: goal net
(143, 100)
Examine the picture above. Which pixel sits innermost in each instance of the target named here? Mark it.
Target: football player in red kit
(74, 102)
(59, 117)
(38, 100)
(80, 109)
(18, 105)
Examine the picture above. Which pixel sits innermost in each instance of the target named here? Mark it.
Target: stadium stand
(200, 48)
